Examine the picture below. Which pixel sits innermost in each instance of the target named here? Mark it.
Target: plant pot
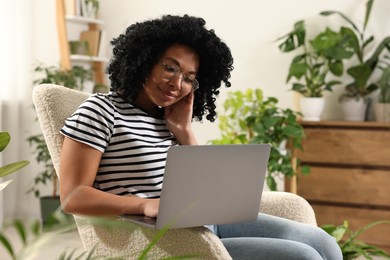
(49, 205)
(382, 112)
(88, 9)
(354, 109)
(312, 108)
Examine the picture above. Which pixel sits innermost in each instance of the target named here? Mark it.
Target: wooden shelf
(83, 20)
(76, 57)
(346, 124)
(66, 59)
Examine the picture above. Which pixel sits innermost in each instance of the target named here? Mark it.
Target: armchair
(53, 105)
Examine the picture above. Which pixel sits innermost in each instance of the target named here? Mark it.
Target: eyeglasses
(170, 70)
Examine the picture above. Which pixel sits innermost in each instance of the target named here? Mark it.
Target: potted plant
(360, 87)
(350, 246)
(250, 118)
(90, 8)
(382, 107)
(310, 68)
(75, 79)
(5, 170)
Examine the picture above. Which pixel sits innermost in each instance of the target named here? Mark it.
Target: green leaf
(336, 67)
(4, 140)
(12, 167)
(368, 12)
(327, 13)
(298, 87)
(305, 169)
(297, 70)
(293, 131)
(271, 183)
(360, 73)
(7, 245)
(18, 225)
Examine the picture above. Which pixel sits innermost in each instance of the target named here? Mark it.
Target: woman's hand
(150, 207)
(178, 118)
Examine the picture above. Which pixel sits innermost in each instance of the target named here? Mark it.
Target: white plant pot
(354, 109)
(312, 108)
(382, 112)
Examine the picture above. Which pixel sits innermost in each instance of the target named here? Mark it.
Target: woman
(164, 73)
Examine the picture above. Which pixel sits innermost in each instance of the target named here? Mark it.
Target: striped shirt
(134, 144)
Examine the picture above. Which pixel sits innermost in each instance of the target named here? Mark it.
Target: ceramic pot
(312, 108)
(382, 112)
(354, 109)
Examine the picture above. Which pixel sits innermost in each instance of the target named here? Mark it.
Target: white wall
(248, 27)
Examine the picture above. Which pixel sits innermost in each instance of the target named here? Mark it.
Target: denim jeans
(271, 237)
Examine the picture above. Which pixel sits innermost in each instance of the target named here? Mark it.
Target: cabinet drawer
(357, 218)
(350, 186)
(363, 147)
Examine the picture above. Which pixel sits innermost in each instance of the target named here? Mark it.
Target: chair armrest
(287, 205)
(129, 240)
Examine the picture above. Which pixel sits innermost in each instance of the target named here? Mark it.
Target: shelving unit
(350, 175)
(66, 59)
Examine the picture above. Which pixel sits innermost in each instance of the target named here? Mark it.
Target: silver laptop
(210, 184)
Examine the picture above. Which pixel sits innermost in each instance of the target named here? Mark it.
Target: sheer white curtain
(15, 95)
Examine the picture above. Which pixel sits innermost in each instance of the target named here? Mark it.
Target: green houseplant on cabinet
(310, 68)
(75, 79)
(360, 87)
(250, 118)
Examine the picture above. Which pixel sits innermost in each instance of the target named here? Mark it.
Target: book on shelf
(102, 44)
(96, 43)
(93, 39)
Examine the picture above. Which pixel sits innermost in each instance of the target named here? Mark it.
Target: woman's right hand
(150, 207)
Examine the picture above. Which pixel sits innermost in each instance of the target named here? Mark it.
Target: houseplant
(75, 78)
(350, 246)
(382, 107)
(317, 58)
(360, 87)
(250, 118)
(5, 170)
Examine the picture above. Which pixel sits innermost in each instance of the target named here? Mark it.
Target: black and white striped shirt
(134, 144)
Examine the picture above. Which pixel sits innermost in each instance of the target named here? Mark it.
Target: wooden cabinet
(350, 175)
(66, 30)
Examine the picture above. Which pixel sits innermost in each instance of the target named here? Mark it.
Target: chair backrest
(53, 104)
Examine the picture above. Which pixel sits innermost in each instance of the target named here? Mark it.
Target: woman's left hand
(178, 118)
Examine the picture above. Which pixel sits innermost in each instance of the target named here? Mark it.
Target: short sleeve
(92, 123)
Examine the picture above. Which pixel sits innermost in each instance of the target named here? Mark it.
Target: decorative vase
(354, 109)
(382, 112)
(312, 108)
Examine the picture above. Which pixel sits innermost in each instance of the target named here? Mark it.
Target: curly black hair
(136, 51)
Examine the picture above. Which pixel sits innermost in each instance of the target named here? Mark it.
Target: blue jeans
(271, 237)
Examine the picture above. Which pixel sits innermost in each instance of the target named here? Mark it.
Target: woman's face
(171, 78)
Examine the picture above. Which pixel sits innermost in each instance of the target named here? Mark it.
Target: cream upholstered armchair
(54, 104)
